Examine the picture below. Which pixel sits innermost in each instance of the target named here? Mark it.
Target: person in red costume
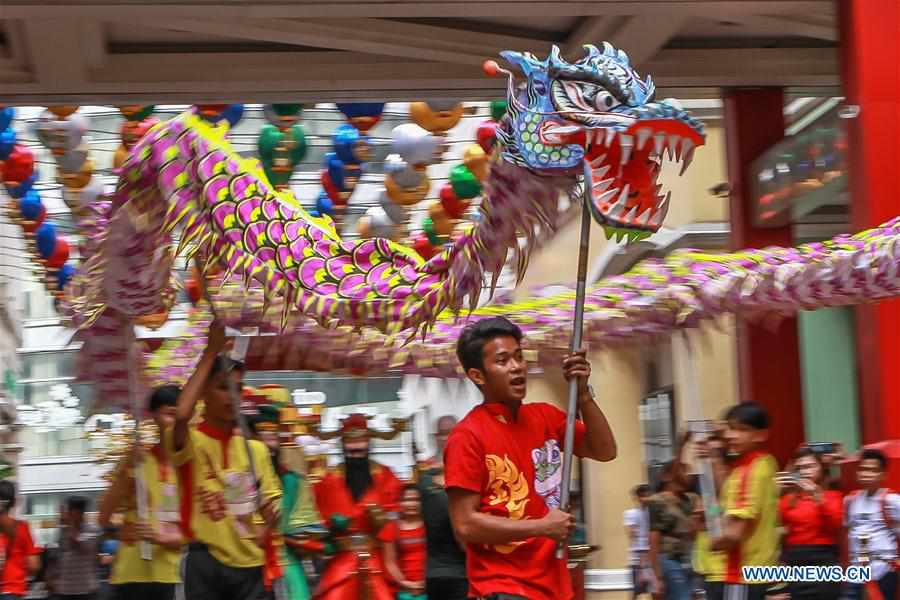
(353, 500)
(504, 469)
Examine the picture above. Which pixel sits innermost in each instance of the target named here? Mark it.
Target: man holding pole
(221, 498)
(504, 470)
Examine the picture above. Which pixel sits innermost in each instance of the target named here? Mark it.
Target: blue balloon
(361, 109)
(233, 114)
(324, 205)
(30, 205)
(20, 189)
(45, 236)
(7, 114)
(345, 139)
(7, 142)
(64, 274)
(335, 170)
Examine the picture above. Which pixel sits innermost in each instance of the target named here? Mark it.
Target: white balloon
(414, 144)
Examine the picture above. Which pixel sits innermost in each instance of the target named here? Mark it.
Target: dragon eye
(539, 87)
(605, 101)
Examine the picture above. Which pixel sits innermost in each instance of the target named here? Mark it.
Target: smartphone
(822, 447)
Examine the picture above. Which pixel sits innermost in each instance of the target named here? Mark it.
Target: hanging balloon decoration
(406, 182)
(138, 121)
(343, 167)
(282, 142)
(63, 136)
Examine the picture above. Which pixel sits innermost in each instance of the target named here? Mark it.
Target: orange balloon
(477, 161)
(406, 196)
(435, 120)
(77, 181)
(154, 321)
(364, 227)
(62, 111)
(443, 224)
(119, 157)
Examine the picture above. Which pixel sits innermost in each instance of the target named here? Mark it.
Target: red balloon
(487, 135)
(421, 245)
(60, 254)
(19, 165)
(453, 206)
(331, 189)
(211, 110)
(193, 290)
(31, 226)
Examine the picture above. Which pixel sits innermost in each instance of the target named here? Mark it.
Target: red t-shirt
(516, 466)
(810, 523)
(15, 572)
(411, 549)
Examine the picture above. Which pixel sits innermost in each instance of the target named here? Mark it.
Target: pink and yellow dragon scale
(184, 174)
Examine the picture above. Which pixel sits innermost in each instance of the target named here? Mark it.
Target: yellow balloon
(77, 181)
(435, 120)
(62, 111)
(406, 196)
(477, 161)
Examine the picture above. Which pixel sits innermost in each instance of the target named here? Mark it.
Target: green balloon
(428, 228)
(465, 185)
(142, 114)
(286, 110)
(274, 144)
(498, 109)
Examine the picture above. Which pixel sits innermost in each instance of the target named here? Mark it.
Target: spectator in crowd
(811, 516)
(445, 571)
(749, 501)
(637, 528)
(19, 558)
(671, 513)
(871, 516)
(78, 549)
(405, 546)
(132, 576)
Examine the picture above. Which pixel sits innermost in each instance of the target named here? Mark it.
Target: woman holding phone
(812, 518)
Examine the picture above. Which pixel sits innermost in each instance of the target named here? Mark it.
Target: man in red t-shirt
(18, 555)
(504, 469)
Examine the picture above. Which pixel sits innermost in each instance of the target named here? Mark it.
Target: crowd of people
(213, 511)
(218, 513)
(796, 517)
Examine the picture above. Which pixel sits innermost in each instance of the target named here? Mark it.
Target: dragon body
(183, 177)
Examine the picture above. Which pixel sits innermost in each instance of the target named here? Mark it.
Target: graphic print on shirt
(509, 488)
(548, 472)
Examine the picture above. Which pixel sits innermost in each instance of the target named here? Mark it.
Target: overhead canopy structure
(130, 52)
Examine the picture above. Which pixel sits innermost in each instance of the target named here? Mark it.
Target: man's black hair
(641, 490)
(874, 454)
(164, 395)
(470, 346)
(79, 503)
(749, 414)
(7, 495)
(222, 363)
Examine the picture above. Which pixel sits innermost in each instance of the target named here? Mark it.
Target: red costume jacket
(357, 560)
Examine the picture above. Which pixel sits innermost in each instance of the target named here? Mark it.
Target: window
(657, 414)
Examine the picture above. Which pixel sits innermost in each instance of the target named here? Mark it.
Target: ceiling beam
(642, 37)
(309, 9)
(591, 30)
(367, 36)
(55, 53)
(785, 25)
(331, 76)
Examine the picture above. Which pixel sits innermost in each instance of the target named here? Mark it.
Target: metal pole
(140, 488)
(238, 354)
(583, 245)
(695, 414)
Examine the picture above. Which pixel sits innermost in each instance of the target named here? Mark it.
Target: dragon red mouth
(625, 195)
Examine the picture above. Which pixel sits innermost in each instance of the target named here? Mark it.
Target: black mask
(358, 476)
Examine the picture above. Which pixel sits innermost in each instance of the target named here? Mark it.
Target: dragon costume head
(598, 109)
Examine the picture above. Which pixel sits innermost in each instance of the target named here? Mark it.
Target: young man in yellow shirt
(134, 578)
(222, 504)
(750, 502)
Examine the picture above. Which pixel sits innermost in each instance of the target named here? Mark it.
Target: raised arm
(475, 527)
(120, 489)
(193, 389)
(598, 442)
